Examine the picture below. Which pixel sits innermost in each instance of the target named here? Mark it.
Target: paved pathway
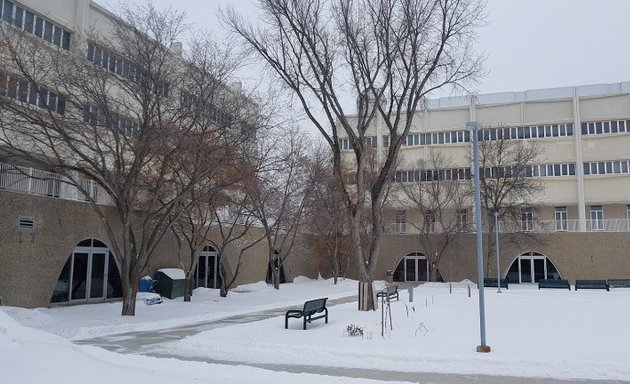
(144, 343)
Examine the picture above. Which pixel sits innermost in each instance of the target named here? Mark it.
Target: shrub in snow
(354, 330)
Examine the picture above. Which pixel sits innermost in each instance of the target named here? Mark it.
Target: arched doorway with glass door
(89, 275)
(207, 275)
(413, 267)
(531, 267)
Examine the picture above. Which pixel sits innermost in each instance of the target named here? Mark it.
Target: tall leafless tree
(508, 185)
(124, 111)
(327, 224)
(279, 192)
(438, 198)
(389, 54)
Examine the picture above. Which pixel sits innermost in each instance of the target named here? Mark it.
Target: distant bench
(490, 282)
(554, 283)
(591, 284)
(619, 283)
(389, 292)
(311, 308)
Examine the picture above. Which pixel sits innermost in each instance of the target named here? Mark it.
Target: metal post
(496, 229)
(473, 126)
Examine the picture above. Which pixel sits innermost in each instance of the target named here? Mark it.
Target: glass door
(539, 269)
(79, 283)
(97, 277)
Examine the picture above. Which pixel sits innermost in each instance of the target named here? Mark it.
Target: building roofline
(544, 94)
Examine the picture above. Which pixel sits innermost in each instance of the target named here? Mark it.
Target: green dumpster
(170, 282)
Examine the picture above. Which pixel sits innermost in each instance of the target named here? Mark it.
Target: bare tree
(390, 54)
(278, 194)
(438, 197)
(108, 110)
(508, 186)
(327, 225)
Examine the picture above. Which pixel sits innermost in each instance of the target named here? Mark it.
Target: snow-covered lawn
(533, 333)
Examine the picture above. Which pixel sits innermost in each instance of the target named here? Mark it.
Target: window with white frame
(597, 218)
(401, 222)
(561, 219)
(527, 219)
(429, 221)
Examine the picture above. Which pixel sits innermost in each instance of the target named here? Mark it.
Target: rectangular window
(57, 36)
(606, 126)
(401, 222)
(597, 218)
(65, 40)
(561, 219)
(19, 17)
(39, 27)
(48, 31)
(29, 22)
(527, 219)
(563, 129)
(569, 129)
(591, 128)
(462, 220)
(584, 129)
(572, 169)
(7, 12)
(613, 127)
(429, 222)
(599, 129)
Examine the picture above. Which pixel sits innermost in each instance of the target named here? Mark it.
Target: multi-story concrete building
(53, 247)
(579, 225)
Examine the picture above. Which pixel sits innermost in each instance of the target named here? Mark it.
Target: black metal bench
(389, 292)
(554, 283)
(591, 284)
(619, 283)
(490, 282)
(311, 308)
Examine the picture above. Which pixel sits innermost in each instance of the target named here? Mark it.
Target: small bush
(354, 330)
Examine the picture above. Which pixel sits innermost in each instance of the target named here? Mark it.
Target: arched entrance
(207, 269)
(414, 267)
(90, 274)
(531, 267)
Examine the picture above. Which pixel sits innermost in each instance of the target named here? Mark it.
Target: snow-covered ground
(533, 333)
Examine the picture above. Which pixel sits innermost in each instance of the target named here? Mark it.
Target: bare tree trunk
(129, 300)
(188, 286)
(366, 296)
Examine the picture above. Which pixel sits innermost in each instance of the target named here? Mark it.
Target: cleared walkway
(145, 343)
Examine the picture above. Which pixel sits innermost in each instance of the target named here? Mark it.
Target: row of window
(26, 92)
(34, 24)
(212, 112)
(115, 64)
(605, 127)
(540, 170)
(606, 167)
(113, 121)
(370, 141)
(507, 133)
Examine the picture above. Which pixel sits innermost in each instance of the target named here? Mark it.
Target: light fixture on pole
(473, 126)
(496, 229)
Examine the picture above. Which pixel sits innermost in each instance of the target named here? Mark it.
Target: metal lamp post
(496, 229)
(473, 126)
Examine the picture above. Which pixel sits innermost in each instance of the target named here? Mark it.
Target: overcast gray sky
(530, 43)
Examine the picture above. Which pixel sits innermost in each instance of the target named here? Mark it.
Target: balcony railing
(42, 183)
(530, 226)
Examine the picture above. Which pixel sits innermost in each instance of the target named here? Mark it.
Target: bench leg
(286, 322)
(304, 327)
